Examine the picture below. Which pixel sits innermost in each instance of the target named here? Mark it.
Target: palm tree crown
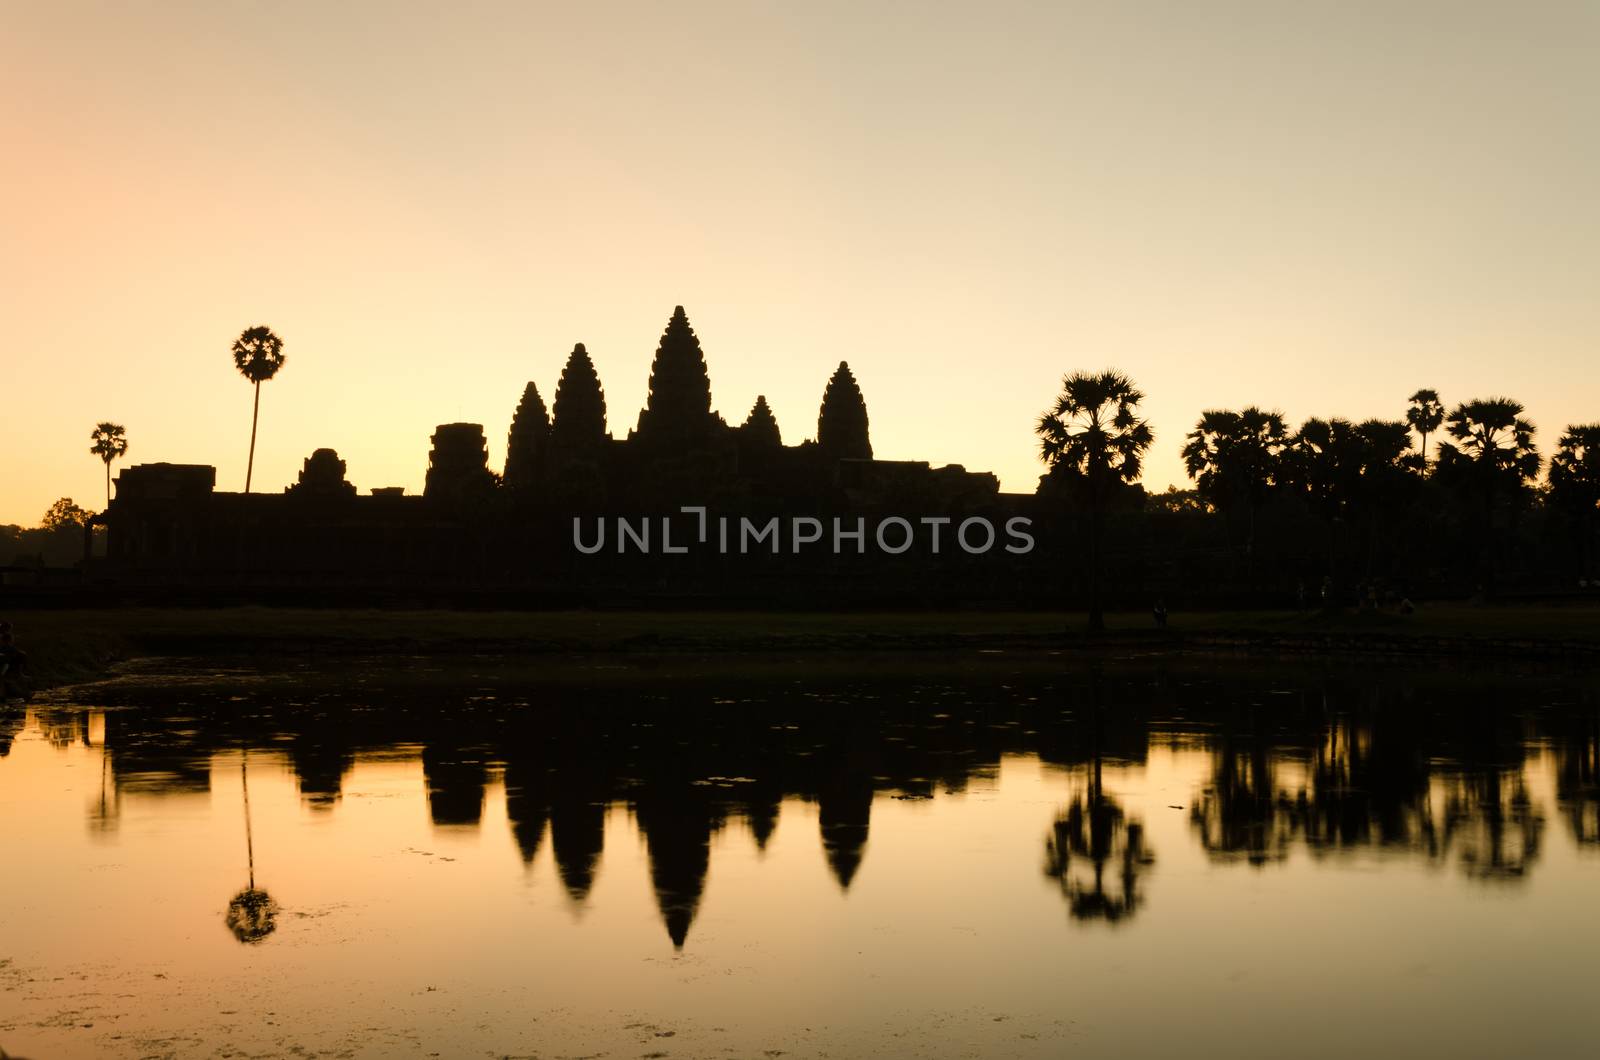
(1575, 468)
(110, 443)
(1492, 433)
(1424, 416)
(1236, 454)
(1093, 429)
(258, 354)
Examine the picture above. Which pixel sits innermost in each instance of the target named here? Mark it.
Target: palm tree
(1493, 451)
(110, 442)
(1094, 434)
(1319, 462)
(258, 354)
(1425, 416)
(1492, 432)
(1235, 458)
(1575, 484)
(1387, 479)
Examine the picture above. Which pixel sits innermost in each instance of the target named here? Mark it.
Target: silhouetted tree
(527, 440)
(258, 354)
(64, 513)
(110, 443)
(1493, 458)
(842, 420)
(1575, 483)
(1424, 417)
(761, 426)
(1387, 476)
(1093, 431)
(1492, 433)
(678, 409)
(1347, 473)
(1320, 464)
(1234, 459)
(579, 423)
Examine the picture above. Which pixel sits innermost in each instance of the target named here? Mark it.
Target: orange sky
(1314, 206)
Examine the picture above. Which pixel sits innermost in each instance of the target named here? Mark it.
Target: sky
(1317, 207)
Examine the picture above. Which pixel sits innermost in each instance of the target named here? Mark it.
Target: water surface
(987, 856)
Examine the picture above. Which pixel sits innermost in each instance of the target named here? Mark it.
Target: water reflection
(1329, 764)
(1093, 831)
(252, 914)
(1578, 774)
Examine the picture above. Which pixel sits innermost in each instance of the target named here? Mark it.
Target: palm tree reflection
(1242, 812)
(1092, 833)
(1490, 819)
(104, 812)
(1578, 776)
(252, 915)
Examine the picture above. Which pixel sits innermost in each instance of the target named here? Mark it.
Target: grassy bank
(71, 645)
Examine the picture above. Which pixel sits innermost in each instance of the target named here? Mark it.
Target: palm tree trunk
(1097, 613)
(1250, 551)
(255, 415)
(108, 483)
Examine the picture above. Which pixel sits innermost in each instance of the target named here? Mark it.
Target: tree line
(1330, 500)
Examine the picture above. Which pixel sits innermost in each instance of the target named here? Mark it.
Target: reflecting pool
(992, 855)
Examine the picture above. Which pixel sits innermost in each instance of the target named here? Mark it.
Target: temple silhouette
(475, 526)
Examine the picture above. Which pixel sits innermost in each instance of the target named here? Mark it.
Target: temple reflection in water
(1329, 765)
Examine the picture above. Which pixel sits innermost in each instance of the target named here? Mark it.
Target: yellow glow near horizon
(1318, 207)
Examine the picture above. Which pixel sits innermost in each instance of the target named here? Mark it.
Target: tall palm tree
(110, 442)
(1093, 432)
(1425, 416)
(258, 354)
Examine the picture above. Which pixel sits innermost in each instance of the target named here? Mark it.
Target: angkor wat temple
(564, 477)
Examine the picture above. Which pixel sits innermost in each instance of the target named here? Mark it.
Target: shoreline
(66, 647)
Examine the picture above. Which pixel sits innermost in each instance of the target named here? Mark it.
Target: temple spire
(527, 440)
(842, 420)
(761, 426)
(679, 406)
(580, 405)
